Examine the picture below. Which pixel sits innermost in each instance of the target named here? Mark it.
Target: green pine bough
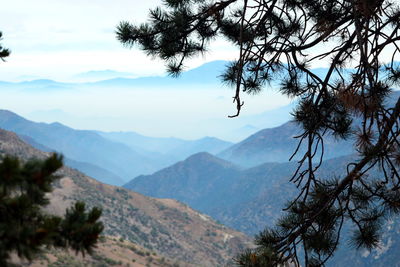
(25, 228)
(278, 42)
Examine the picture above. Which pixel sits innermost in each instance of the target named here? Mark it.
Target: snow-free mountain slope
(82, 146)
(164, 226)
(277, 145)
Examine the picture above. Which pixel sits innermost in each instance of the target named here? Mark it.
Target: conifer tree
(4, 52)
(25, 228)
(281, 40)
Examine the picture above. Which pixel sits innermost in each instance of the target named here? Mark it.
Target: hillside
(165, 226)
(222, 190)
(111, 251)
(244, 199)
(197, 181)
(79, 145)
(251, 199)
(277, 145)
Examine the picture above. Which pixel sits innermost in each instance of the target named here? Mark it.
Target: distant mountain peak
(207, 158)
(200, 156)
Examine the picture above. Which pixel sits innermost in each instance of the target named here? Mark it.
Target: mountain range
(251, 199)
(201, 84)
(173, 147)
(277, 145)
(110, 157)
(243, 185)
(206, 74)
(247, 185)
(164, 226)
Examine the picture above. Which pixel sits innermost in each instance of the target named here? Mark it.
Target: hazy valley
(166, 200)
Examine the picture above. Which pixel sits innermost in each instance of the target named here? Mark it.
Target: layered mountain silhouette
(251, 199)
(110, 158)
(98, 75)
(206, 74)
(217, 187)
(163, 226)
(277, 145)
(82, 146)
(173, 147)
(249, 186)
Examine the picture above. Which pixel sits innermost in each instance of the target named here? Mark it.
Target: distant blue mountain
(174, 149)
(81, 146)
(245, 199)
(101, 174)
(277, 145)
(98, 75)
(41, 82)
(108, 157)
(206, 74)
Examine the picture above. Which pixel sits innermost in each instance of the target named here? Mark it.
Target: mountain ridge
(163, 225)
(91, 151)
(79, 145)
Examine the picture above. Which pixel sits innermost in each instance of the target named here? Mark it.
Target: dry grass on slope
(165, 226)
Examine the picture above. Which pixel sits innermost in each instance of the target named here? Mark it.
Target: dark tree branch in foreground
(25, 228)
(4, 52)
(280, 41)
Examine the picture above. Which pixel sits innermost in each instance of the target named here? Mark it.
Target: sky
(59, 39)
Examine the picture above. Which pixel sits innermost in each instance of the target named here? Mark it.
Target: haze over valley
(236, 178)
(199, 134)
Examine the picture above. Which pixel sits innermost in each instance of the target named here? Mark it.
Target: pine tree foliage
(4, 52)
(25, 228)
(280, 40)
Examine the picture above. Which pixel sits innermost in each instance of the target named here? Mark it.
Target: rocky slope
(166, 226)
(244, 199)
(197, 181)
(251, 199)
(110, 252)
